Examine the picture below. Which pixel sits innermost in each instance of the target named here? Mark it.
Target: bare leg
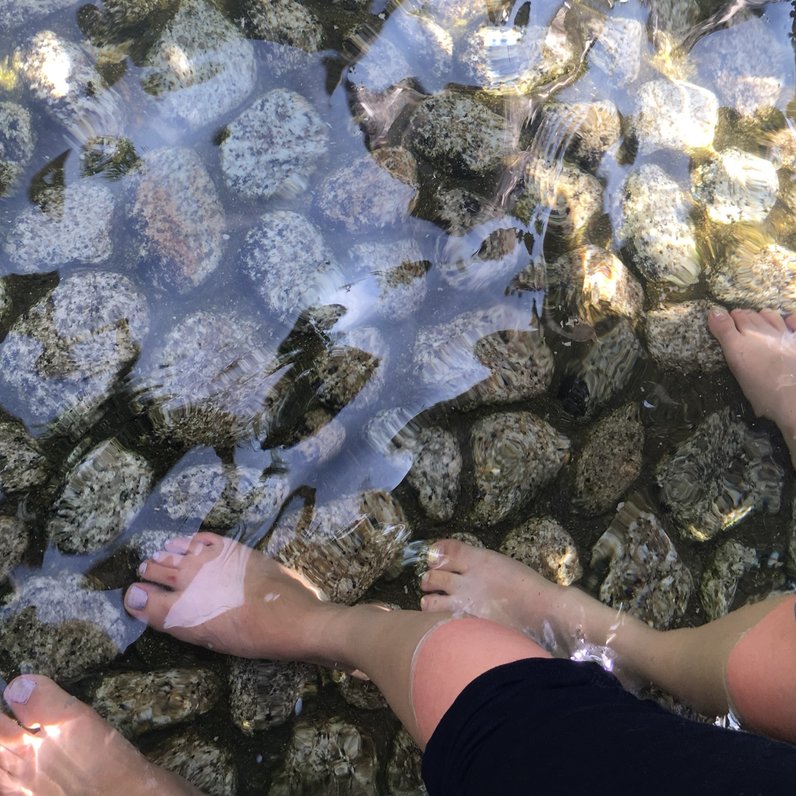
(760, 349)
(214, 592)
(72, 751)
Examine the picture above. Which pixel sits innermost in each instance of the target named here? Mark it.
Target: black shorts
(541, 726)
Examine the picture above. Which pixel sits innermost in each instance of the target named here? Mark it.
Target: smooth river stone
(436, 471)
(543, 544)
(729, 563)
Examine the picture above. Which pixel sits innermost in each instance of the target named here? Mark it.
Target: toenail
(20, 690)
(142, 570)
(424, 577)
(433, 557)
(719, 312)
(159, 556)
(136, 598)
(423, 601)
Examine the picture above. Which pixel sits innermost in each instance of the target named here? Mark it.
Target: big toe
(150, 603)
(37, 701)
(722, 325)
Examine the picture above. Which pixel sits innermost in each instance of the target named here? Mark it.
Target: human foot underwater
(493, 710)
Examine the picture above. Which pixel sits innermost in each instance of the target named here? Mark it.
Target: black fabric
(541, 726)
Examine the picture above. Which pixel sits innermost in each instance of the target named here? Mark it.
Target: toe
(10, 732)
(164, 575)
(150, 603)
(722, 325)
(38, 702)
(774, 319)
(790, 322)
(448, 554)
(439, 580)
(433, 603)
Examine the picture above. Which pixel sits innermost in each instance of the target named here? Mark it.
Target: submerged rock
(587, 129)
(404, 767)
(133, 12)
(204, 764)
(515, 454)
(542, 544)
(728, 565)
(213, 380)
(22, 463)
(69, 225)
(317, 436)
(609, 462)
(61, 359)
(179, 218)
(645, 575)
(265, 694)
(436, 471)
(361, 694)
(18, 13)
(718, 476)
(285, 22)
(342, 546)
(139, 702)
(678, 338)
(657, 226)
(618, 49)
(273, 146)
(59, 627)
(111, 156)
(100, 498)
(331, 757)
(201, 67)
(471, 263)
(13, 543)
(17, 142)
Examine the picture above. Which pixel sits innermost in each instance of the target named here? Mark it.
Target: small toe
(448, 554)
(790, 322)
(150, 603)
(774, 319)
(438, 580)
(164, 575)
(433, 603)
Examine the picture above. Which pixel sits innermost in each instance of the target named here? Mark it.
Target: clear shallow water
(181, 233)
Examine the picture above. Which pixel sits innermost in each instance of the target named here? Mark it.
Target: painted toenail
(136, 598)
(423, 602)
(718, 312)
(20, 690)
(159, 556)
(142, 570)
(424, 577)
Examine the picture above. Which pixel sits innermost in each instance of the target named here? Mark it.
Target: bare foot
(466, 579)
(760, 349)
(68, 750)
(222, 595)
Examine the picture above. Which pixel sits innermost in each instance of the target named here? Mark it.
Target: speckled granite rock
(458, 210)
(265, 694)
(22, 463)
(542, 544)
(213, 380)
(17, 142)
(317, 436)
(285, 22)
(645, 575)
(329, 756)
(458, 134)
(144, 544)
(657, 226)
(718, 476)
(756, 276)
(471, 263)
(61, 359)
(726, 567)
(58, 627)
(18, 13)
(13, 543)
(678, 337)
(133, 12)
(70, 225)
(566, 200)
(179, 218)
(373, 192)
(588, 129)
(360, 694)
(674, 114)
(593, 283)
(290, 266)
(111, 156)
(5, 300)
(100, 498)
(201, 67)
(620, 45)
(342, 546)
(207, 766)
(609, 462)
(436, 470)
(139, 702)
(404, 774)
(605, 368)
(515, 454)
(273, 146)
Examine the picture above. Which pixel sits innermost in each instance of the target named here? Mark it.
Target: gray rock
(69, 225)
(361, 694)
(471, 263)
(59, 627)
(317, 436)
(404, 774)
(674, 115)
(61, 359)
(619, 48)
(330, 757)
(657, 226)
(179, 218)
(17, 142)
(265, 694)
(374, 192)
(735, 186)
(589, 129)
(609, 462)
(458, 210)
(213, 380)
(544, 545)
(139, 702)
(273, 146)
(459, 135)
(19, 13)
(285, 22)
(111, 156)
(436, 471)
(342, 546)
(126, 13)
(645, 575)
(727, 566)
(22, 463)
(144, 544)
(290, 266)
(515, 454)
(13, 543)
(678, 338)
(201, 67)
(205, 765)
(718, 476)
(100, 498)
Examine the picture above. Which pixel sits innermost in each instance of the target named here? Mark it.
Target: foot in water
(60, 747)
(760, 349)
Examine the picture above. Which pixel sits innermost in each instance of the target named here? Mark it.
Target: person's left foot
(60, 747)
